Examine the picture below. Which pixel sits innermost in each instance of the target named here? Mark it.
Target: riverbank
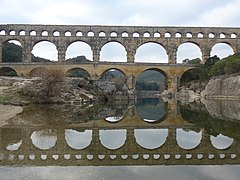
(8, 112)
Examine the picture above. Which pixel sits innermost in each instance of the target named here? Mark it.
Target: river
(147, 139)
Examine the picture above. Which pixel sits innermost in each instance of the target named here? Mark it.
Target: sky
(124, 12)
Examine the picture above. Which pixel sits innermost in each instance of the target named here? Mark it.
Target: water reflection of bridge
(132, 142)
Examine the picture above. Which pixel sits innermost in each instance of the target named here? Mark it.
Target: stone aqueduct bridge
(131, 37)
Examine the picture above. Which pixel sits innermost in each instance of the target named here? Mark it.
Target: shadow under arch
(7, 71)
(36, 72)
(151, 110)
(78, 72)
(114, 72)
(190, 75)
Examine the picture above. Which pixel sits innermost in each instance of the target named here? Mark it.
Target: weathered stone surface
(222, 86)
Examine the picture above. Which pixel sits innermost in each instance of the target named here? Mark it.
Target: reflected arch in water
(151, 109)
(188, 139)
(15, 146)
(44, 139)
(118, 138)
(151, 138)
(78, 140)
(114, 119)
(221, 141)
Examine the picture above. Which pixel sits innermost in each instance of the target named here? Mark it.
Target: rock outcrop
(226, 86)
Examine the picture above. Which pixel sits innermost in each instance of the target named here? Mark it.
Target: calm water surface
(150, 139)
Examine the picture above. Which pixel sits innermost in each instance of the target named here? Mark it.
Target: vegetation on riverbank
(213, 67)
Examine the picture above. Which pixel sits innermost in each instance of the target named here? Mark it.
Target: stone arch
(45, 49)
(36, 72)
(113, 69)
(79, 48)
(146, 34)
(178, 35)
(221, 141)
(125, 34)
(151, 52)
(68, 33)
(7, 71)
(33, 33)
(113, 34)
(151, 138)
(12, 32)
(102, 34)
(113, 51)
(78, 72)
(189, 75)
(136, 34)
(188, 139)
(78, 139)
(2, 32)
(222, 50)
(200, 35)
(12, 50)
(120, 136)
(187, 51)
(44, 33)
(153, 75)
(156, 35)
(151, 110)
(22, 33)
(56, 33)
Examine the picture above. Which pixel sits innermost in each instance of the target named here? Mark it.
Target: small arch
(102, 34)
(7, 71)
(22, 33)
(79, 51)
(120, 136)
(56, 33)
(222, 35)
(221, 50)
(33, 33)
(44, 139)
(167, 35)
(12, 33)
(157, 34)
(211, 35)
(200, 35)
(146, 34)
(90, 34)
(188, 139)
(189, 35)
(78, 139)
(37, 72)
(136, 34)
(233, 35)
(151, 52)
(78, 72)
(124, 34)
(188, 51)
(79, 33)
(2, 33)
(178, 35)
(44, 33)
(221, 141)
(113, 34)
(114, 52)
(46, 50)
(151, 138)
(68, 33)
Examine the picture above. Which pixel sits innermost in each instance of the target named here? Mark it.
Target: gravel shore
(7, 112)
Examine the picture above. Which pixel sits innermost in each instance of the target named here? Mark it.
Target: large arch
(114, 52)
(151, 138)
(221, 50)
(46, 50)
(151, 52)
(12, 51)
(113, 74)
(36, 72)
(189, 51)
(78, 72)
(152, 80)
(79, 51)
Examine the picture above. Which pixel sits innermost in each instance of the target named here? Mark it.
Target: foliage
(12, 52)
(50, 85)
(11, 73)
(78, 73)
